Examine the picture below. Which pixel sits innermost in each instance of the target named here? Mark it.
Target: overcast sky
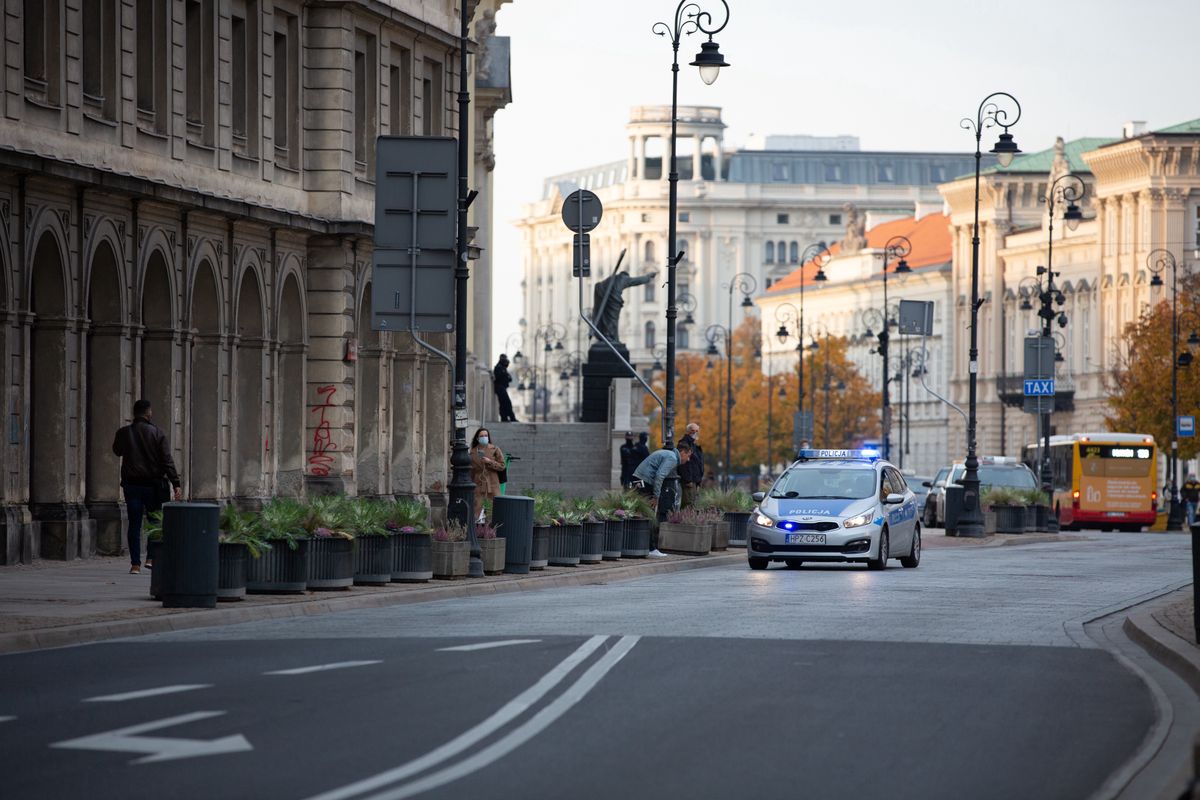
(898, 75)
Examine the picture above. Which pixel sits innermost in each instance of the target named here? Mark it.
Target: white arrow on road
(127, 740)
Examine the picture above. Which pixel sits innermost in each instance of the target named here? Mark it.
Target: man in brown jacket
(146, 470)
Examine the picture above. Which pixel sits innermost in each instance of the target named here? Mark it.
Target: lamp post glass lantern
(998, 109)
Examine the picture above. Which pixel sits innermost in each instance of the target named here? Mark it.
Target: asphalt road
(968, 677)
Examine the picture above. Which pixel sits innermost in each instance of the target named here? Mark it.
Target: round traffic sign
(582, 211)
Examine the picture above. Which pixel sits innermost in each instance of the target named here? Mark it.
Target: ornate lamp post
(990, 113)
(714, 334)
(898, 247)
(689, 18)
(551, 335)
(818, 253)
(516, 340)
(1158, 261)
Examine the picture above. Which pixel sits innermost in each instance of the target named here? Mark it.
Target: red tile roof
(930, 237)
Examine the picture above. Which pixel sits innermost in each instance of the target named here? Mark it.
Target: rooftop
(1043, 160)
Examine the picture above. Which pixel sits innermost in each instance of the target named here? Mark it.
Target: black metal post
(827, 387)
(1175, 510)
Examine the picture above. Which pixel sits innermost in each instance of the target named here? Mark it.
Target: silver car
(836, 505)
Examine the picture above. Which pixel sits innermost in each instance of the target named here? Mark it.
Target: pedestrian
(650, 477)
(629, 460)
(643, 450)
(691, 474)
(500, 381)
(487, 462)
(147, 474)
(1191, 497)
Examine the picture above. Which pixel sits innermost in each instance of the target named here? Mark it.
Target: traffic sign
(1186, 426)
(1039, 388)
(582, 210)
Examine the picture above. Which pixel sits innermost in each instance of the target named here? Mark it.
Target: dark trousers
(506, 409)
(139, 500)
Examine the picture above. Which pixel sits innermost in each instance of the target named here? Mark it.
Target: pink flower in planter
(322, 533)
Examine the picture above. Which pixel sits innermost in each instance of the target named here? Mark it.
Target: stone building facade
(186, 197)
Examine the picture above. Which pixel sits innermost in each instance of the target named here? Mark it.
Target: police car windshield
(816, 482)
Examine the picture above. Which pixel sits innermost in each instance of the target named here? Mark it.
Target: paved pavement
(968, 677)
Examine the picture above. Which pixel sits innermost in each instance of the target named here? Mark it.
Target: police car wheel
(758, 563)
(913, 559)
(884, 553)
(793, 563)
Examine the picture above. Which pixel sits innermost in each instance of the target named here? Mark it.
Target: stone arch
(105, 235)
(204, 463)
(48, 227)
(105, 366)
(248, 387)
(49, 357)
(291, 386)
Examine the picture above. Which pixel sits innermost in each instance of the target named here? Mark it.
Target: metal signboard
(582, 210)
(1186, 426)
(916, 317)
(1039, 374)
(416, 219)
(802, 428)
(581, 266)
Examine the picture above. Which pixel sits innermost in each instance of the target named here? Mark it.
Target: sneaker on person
(134, 569)
(657, 554)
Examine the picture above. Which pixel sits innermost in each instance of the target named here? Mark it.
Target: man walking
(691, 473)
(146, 470)
(500, 381)
(649, 478)
(1191, 498)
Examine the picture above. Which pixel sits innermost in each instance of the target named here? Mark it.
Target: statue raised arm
(608, 302)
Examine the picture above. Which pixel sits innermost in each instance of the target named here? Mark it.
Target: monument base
(598, 373)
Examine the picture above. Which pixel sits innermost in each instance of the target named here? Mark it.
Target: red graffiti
(320, 461)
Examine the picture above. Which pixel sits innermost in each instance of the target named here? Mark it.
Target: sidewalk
(55, 603)
(1165, 630)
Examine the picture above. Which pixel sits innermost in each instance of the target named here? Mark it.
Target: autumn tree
(1139, 385)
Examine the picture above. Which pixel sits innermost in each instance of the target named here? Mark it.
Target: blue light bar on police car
(866, 454)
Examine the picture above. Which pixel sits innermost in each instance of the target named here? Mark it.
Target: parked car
(920, 486)
(999, 471)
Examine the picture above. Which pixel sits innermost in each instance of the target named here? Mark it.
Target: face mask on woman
(483, 440)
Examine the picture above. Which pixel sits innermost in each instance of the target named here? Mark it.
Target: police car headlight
(858, 520)
(763, 521)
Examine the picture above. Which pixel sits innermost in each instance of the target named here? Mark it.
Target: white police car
(836, 505)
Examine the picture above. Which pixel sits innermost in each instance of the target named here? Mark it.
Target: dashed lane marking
(138, 695)
(322, 667)
(467, 648)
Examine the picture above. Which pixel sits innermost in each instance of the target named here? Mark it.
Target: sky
(900, 76)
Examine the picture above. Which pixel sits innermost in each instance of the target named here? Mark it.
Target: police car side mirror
(759, 496)
(927, 484)
(894, 499)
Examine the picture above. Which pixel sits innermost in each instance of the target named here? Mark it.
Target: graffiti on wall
(320, 460)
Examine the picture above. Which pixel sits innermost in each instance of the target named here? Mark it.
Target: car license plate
(805, 538)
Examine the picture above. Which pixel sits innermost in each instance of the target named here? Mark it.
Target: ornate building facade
(186, 206)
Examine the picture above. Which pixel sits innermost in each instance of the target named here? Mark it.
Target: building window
(152, 64)
(365, 117)
(684, 340)
(937, 173)
(645, 217)
(400, 88)
(650, 337)
(246, 70)
(685, 216)
(682, 249)
(287, 90)
(770, 282)
(794, 252)
(833, 172)
(781, 219)
(432, 102)
(769, 256)
(781, 250)
(835, 219)
(43, 50)
(1197, 226)
(649, 252)
(201, 71)
(648, 292)
(780, 171)
(100, 58)
(887, 173)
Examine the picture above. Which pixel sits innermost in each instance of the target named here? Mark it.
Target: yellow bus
(1102, 480)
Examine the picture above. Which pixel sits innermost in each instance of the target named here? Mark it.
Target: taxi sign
(868, 455)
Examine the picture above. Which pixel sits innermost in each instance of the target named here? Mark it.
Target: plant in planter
(592, 548)
(412, 561)
(374, 545)
(282, 567)
(331, 544)
(546, 506)
(491, 548)
(735, 506)
(451, 552)
(609, 509)
(687, 532)
(566, 538)
(1036, 510)
(639, 515)
(240, 540)
(1003, 510)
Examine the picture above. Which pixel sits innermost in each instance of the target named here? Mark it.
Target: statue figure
(856, 236)
(485, 29)
(1060, 166)
(607, 301)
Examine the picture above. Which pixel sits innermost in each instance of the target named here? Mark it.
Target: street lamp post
(818, 253)
(989, 114)
(551, 335)
(746, 285)
(714, 334)
(689, 18)
(898, 247)
(1158, 261)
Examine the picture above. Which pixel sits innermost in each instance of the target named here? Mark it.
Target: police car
(836, 505)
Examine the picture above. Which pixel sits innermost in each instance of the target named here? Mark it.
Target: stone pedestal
(598, 373)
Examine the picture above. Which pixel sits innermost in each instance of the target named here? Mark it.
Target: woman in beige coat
(487, 461)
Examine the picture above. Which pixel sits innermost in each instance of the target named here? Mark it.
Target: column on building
(408, 410)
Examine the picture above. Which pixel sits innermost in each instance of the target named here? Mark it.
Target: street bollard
(954, 504)
(189, 562)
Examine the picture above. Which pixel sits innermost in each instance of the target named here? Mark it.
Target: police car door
(901, 518)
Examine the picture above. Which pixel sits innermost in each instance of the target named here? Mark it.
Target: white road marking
(322, 667)
(520, 735)
(119, 698)
(466, 648)
(126, 740)
(511, 710)
(7, 719)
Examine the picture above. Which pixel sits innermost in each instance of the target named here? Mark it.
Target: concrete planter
(373, 559)
(720, 535)
(280, 570)
(153, 551)
(1037, 518)
(1009, 519)
(614, 536)
(739, 524)
(330, 563)
(689, 540)
(636, 542)
(412, 558)
(492, 553)
(231, 571)
(566, 544)
(592, 551)
(541, 547)
(451, 559)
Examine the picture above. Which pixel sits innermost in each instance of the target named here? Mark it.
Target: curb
(1172, 651)
(69, 635)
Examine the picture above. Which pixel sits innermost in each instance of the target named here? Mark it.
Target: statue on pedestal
(607, 302)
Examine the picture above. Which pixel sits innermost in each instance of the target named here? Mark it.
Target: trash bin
(189, 561)
(513, 516)
(954, 505)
